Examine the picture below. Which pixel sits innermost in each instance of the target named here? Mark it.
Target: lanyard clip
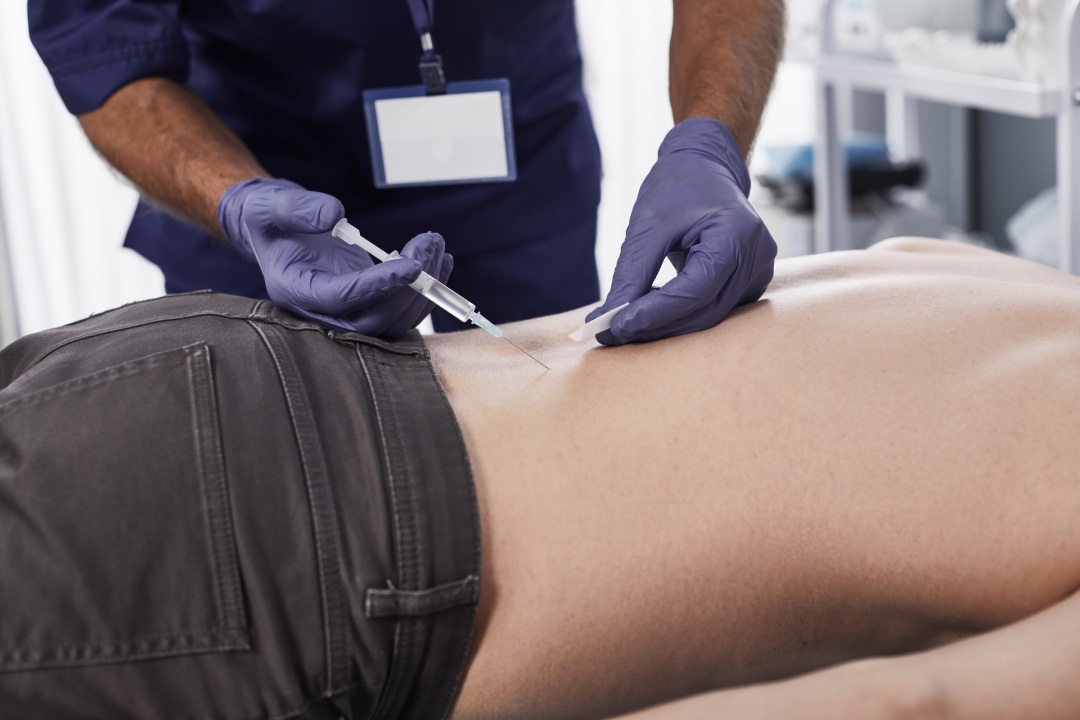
(431, 73)
(431, 70)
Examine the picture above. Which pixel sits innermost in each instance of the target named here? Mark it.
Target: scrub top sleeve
(92, 48)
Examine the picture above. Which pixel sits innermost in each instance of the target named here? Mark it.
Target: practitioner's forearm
(724, 55)
(172, 147)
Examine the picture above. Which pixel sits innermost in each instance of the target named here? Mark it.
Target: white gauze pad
(596, 325)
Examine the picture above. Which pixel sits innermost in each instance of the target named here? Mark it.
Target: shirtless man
(871, 507)
(884, 461)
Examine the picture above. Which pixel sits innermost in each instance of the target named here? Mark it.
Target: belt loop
(391, 602)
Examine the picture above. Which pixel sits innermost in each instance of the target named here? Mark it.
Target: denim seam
(320, 505)
(127, 326)
(408, 555)
(231, 640)
(392, 671)
(478, 556)
(404, 542)
(250, 317)
(215, 489)
(388, 346)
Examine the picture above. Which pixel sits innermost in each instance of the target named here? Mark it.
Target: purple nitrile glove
(308, 271)
(693, 209)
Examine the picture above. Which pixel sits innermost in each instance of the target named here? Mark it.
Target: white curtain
(625, 46)
(65, 212)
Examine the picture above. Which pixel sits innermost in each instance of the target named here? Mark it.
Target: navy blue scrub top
(287, 77)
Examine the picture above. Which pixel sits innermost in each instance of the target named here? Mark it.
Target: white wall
(65, 213)
(625, 45)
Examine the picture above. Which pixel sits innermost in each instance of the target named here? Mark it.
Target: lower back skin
(878, 457)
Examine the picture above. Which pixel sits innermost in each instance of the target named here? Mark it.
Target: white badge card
(464, 136)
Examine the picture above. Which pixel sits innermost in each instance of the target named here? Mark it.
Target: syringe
(426, 285)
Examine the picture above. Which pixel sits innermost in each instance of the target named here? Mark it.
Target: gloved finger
(295, 210)
(700, 284)
(723, 272)
(447, 268)
(383, 319)
(639, 261)
(343, 294)
(737, 292)
(703, 276)
(409, 316)
(701, 319)
(428, 249)
(370, 320)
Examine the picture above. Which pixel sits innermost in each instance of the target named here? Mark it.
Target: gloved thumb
(274, 205)
(635, 270)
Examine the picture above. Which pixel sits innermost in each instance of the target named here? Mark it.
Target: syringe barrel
(443, 296)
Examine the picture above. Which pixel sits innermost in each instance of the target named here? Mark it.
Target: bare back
(880, 456)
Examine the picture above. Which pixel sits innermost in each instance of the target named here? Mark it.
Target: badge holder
(440, 133)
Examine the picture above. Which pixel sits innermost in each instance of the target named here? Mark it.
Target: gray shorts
(212, 509)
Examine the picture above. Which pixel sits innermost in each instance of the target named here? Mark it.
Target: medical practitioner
(252, 126)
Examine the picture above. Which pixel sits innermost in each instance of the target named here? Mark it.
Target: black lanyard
(431, 70)
(423, 16)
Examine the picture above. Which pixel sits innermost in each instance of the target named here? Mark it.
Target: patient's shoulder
(903, 259)
(928, 245)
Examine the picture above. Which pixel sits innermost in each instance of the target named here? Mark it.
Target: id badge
(463, 136)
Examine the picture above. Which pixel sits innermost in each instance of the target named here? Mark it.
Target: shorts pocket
(116, 535)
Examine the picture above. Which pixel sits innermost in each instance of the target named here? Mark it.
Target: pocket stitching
(126, 369)
(15, 660)
(229, 632)
(214, 480)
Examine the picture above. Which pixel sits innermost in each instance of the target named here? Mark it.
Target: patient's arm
(1026, 670)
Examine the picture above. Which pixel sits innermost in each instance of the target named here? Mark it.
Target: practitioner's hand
(286, 229)
(692, 208)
